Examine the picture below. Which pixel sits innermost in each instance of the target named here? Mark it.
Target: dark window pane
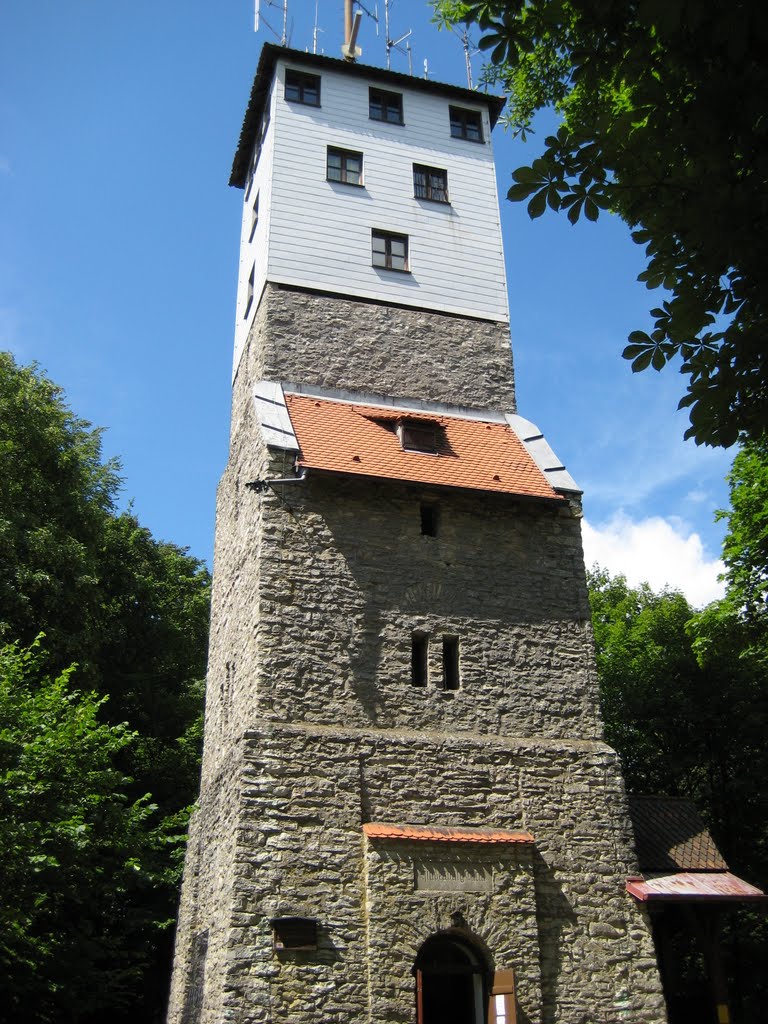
(466, 124)
(385, 106)
(301, 88)
(354, 170)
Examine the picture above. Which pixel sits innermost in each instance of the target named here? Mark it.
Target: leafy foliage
(685, 705)
(663, 123)
(75, 849)
(133, 613)
(745, 551)
(56, 494)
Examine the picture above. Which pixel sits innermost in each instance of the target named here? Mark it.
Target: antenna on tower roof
(259, 17)
(469, 52)
(373, 15)
(315, 30)
(394, 44)
(350, 50)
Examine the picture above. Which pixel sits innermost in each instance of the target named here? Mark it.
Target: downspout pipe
(261, 485)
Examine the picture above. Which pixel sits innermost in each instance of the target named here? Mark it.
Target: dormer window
(418, 436)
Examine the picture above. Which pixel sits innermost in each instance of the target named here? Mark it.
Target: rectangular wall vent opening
(294, 933)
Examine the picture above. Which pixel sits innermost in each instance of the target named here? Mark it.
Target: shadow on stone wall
(555, 914)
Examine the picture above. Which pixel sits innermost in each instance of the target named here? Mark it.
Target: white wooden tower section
(302, 228)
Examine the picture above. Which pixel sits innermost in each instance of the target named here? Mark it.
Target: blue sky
(119, 255)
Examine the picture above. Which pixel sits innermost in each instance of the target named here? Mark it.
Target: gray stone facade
(313, 727)
(335, 341)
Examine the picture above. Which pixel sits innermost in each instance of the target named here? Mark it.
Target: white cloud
(5, 165)
(661, 552)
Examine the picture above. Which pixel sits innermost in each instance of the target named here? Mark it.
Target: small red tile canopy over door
(502, 1006)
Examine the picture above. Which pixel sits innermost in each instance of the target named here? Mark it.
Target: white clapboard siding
(317, 234)
(321, 231)
(254, 251)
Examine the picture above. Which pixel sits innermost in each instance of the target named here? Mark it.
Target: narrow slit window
(385, 106)
(249, 293)
(429, 518)
(450, 663)
(389, 251)
(430, 183)
(254, 217)
(419, 659)
(466, 124)
(344, 166)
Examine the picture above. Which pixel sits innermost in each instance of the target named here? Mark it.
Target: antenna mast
(395, 43)
(314, 31)
(469, 51)
(467, 60)
(271, 3)
(350, 50)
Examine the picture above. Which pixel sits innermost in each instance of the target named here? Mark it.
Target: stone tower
(407, 810)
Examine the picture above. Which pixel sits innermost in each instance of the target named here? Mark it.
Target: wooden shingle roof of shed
(670, 836)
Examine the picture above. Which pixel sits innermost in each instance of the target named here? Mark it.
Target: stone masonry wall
(557, 913)
(333, 341)
(347, 578)
(313, 726)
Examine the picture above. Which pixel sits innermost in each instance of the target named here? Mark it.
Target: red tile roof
(362, 440)
(444, 834)
(693, 886)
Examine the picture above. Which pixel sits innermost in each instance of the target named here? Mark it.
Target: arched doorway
(451, 981)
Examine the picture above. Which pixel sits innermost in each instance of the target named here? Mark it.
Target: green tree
(132, 612)
(685, 705)
(75, 849)
(56, 496)
(745, 550)
(663, 123)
